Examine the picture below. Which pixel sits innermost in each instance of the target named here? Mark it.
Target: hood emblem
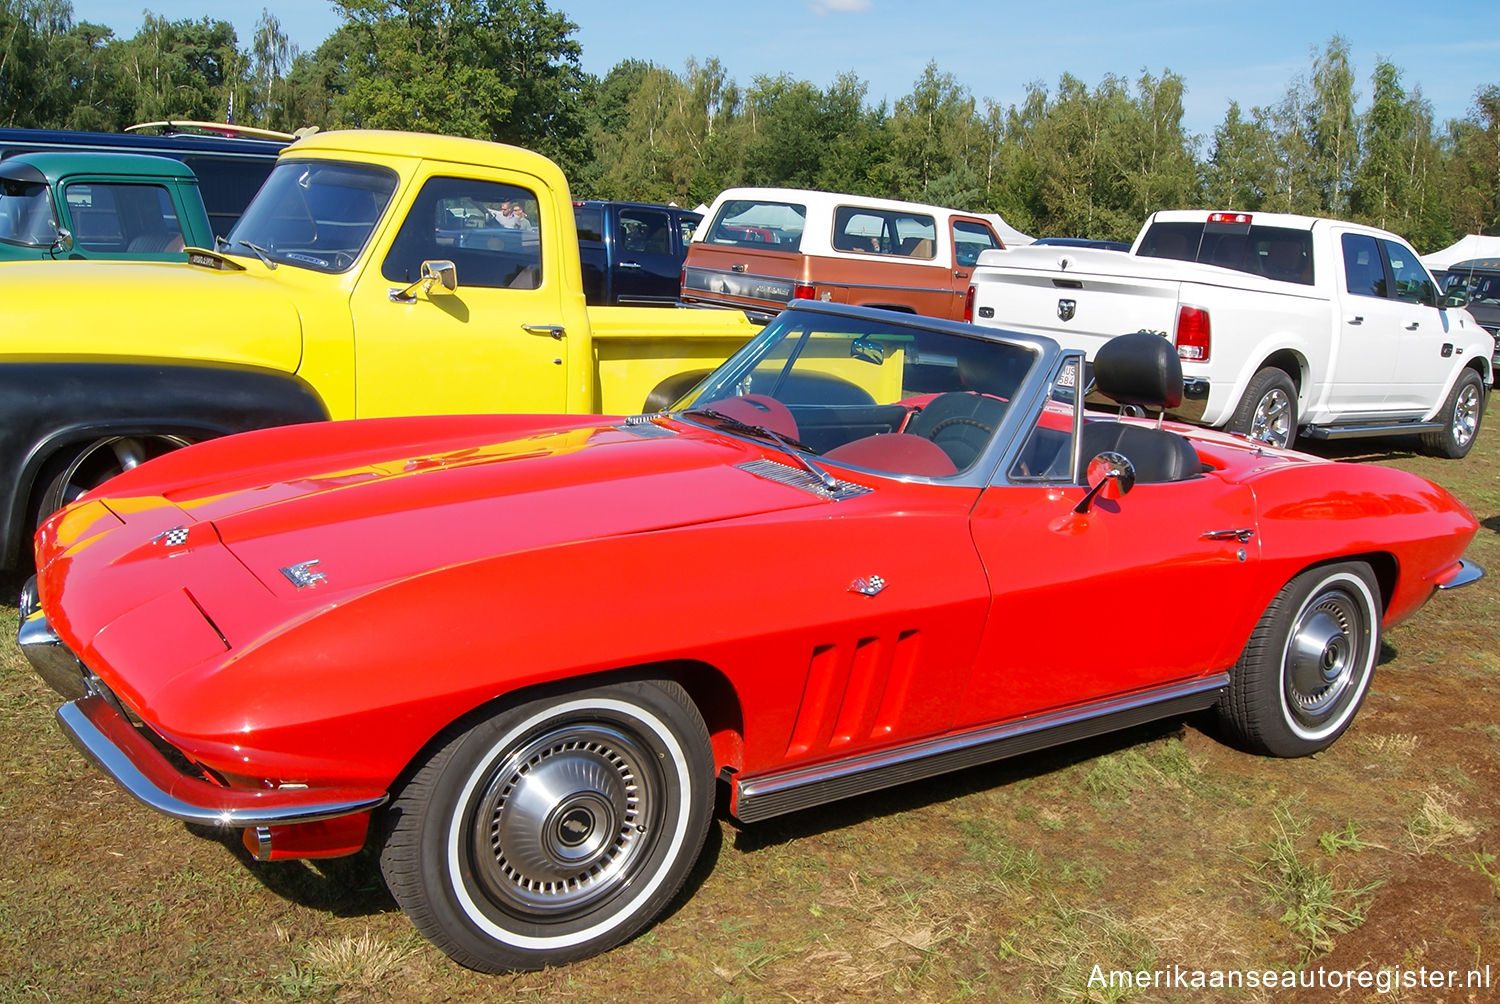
(867, 585)
(302, 575)
(1066, 309)
(175, 537)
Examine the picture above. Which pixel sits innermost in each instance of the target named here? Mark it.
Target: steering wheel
(988, 430)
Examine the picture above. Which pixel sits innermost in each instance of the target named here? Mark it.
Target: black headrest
(1140, 369)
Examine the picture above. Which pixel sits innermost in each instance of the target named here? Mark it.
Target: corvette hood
(415, 511)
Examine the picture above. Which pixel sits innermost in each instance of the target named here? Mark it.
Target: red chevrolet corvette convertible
(518, 655)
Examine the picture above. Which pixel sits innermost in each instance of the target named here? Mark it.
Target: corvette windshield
(884, 396)
(313, 214)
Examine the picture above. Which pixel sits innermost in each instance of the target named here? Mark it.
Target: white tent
(1012, 237)
(1470, 247)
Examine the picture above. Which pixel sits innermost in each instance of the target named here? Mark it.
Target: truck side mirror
(1456, 298)
(438, 277)
(63, 243)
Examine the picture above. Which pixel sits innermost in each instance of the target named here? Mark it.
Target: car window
(866, 230)
(115, 217)
(1413, 284)
(688, 224)
(969, 239)
(590, 222)
(1281, 253)
(1364, 272)
(644, 231)
(490, 231)
(756, 223)
(1047, 455)
(26, 214)
(314, 214)
(870, 393)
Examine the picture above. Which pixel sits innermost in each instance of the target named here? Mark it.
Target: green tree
(35, 78)
(503, 70)
(1238, 172)
(1332, 128)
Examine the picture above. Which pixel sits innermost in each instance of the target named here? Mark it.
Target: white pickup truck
(1285, 325)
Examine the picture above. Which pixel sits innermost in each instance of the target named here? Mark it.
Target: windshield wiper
(260, 252)
(796, 450)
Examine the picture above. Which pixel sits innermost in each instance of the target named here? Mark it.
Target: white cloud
(839, 6)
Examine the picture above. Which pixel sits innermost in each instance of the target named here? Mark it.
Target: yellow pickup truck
(376, 273)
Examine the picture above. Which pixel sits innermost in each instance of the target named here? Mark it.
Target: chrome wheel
(555, 829)
(1308, 664)
(564, 820)
(1466, 409)
(99, 461)
(1272, 422)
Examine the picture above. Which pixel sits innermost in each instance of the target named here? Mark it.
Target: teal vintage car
(86, 204)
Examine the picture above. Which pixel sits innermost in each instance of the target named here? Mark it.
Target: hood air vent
(795, 477)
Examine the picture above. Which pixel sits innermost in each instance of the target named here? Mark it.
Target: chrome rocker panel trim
(771, 795)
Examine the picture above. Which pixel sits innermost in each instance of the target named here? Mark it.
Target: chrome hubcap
(1272, 422)
(1324, 656)
(564, 820)
(1466, 415)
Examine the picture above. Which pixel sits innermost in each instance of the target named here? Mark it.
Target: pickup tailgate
(1080, 297)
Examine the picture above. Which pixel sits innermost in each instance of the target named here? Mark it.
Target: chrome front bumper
(98, 725)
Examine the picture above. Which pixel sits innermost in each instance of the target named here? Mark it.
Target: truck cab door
(495, 343)
(1424, 345)
(646, 268)
(970, 237)
(1369, 324)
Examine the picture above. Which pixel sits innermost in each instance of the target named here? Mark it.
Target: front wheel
(96, 463)
(1268, 411)
(1307, 666)
(1460, 417)
(554, 830)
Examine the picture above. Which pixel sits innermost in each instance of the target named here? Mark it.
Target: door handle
(959, 273)
(1357, 319)
(1241, 534)
(555, 330)
(630, 264)
(1414, 325)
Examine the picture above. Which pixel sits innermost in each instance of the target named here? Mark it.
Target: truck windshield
(1275, 252)
(26, 214)
(313, 214)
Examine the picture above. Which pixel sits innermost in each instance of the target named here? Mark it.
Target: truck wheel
(1268, 411)
(1307, 666)
(1460, 417)
(96, 463)
(554, 830)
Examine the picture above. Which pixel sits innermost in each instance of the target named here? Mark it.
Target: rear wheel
(554, 830)
(1268, 411)
(1460, 417)
(1307, 666)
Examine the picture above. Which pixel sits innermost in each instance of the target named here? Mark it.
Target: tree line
(1069, 159)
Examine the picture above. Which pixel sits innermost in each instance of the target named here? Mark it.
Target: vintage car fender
(51, 410)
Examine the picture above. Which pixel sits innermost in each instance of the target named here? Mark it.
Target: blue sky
(1247, 51)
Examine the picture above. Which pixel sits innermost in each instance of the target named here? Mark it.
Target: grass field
(1153, 849)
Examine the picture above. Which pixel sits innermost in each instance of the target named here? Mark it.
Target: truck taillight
(1193, 335)
(804, 291)
(969, 305)
(1229, 218)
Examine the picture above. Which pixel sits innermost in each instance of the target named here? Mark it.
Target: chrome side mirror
(63, 242)
(1109, 474)
(437, 277)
